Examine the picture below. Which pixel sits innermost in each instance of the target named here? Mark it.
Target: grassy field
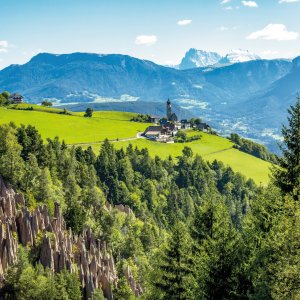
(210, 148)
(76, 129)
(35, 107)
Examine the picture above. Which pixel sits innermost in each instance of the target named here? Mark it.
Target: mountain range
(249, 98)
(199, 58)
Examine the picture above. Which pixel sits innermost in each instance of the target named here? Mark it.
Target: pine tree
(287, 175)
(220, 251)
(175, 274)
(11, 163)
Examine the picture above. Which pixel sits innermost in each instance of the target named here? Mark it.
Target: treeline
(199, 230)
(255, 149)
(141, 118)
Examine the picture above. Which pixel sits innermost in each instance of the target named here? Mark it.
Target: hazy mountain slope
(86, 77)
(244, 79)
(82, 77)
(274, 102)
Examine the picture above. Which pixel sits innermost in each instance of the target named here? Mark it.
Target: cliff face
(59, 248)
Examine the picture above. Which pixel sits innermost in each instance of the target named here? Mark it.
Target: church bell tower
(169, 109)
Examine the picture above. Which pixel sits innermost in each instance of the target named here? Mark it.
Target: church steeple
(169, 109)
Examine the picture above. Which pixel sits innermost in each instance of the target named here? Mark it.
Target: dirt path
(138, 136)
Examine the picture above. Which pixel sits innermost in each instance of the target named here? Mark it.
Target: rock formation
(59, 248)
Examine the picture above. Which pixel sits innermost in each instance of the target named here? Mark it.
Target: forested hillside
(194, 230)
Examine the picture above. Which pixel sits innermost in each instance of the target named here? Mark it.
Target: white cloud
(184, 22)
(288, 1)
(276, 32)
(229, 8)
(146, 40)
(3, 46)
(223, 28)
(251, 4)
(225, 1)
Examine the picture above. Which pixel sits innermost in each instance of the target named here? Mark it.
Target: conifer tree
(287, 175)
(175, 274)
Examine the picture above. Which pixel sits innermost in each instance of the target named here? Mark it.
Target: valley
(237, 96)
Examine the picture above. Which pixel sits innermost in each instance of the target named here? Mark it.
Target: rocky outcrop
(59, 248)
(120, 207)
(135, 287)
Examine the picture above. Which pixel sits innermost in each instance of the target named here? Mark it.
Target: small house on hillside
(16, 98)
(153, 132)
(185, 124)
(154, 119)
(204, 127)
(171, 128)
(160, 133)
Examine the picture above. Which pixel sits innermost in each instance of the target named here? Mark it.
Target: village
(168, 128)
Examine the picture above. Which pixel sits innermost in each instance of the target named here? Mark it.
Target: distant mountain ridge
(233, 98)
(198, 58)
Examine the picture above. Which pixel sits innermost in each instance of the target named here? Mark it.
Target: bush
(183, 138)
(89, 112)
(47, 103)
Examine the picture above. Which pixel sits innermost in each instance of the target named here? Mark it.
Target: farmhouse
(153, 132)
(170, 128)
(204, 127)
(154, 119)
(185, 124)
(16, 98)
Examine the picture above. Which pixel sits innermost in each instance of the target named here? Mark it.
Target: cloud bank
(276, 32)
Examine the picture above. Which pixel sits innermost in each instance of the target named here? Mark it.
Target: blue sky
(159, 30)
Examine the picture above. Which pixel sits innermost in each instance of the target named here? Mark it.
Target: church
(172, 117)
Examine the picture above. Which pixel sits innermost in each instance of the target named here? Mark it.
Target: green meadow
(75, 128)
(210, 148)
(78, 130)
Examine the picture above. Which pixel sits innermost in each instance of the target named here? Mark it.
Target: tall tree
(287, 175)
(176, 270)
(11, 163)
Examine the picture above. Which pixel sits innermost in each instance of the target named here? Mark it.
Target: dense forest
(198, 230)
